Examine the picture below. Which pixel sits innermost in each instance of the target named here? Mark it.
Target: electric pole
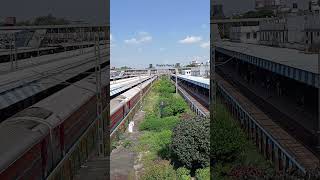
(11, 51)
(15, 52)
(176, 80)
(101, 133)
(213, 83)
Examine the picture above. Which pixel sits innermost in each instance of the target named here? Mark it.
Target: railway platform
(272, 141)
(283, 82)
(195, 90)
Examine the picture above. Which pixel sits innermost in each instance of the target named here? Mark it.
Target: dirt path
(124, 161)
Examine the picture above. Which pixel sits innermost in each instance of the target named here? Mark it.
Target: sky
(154, 32)
(92, 11)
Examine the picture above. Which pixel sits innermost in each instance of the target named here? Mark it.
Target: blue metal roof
(290, 63)
(199, 81)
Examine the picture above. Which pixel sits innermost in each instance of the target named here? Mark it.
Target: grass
(154, 123)
(127, 143)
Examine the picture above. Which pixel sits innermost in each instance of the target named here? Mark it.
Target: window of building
(255, 35)
(248, 35)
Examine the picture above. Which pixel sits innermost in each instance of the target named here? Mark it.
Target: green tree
(191, 143)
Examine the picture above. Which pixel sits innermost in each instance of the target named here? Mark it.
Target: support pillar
(318, 120)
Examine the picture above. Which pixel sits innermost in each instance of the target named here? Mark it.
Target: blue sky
(147, 32)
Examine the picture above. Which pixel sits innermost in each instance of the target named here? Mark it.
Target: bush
(220, 171)
(227, 139)
(159, 170)
(183, 174)
(191, 143)
(203, 174)
(153, 123)
(173, 105)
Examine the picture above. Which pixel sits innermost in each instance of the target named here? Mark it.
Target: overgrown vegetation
(165, 115)
(227, 139)
(191, 143)
(203, 174)
(232, 153)
(160, 170)
(176, 144)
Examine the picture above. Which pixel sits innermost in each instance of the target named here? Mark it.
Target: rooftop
(203, 82)
(289, 57)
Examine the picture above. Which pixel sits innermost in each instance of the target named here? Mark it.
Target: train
(36, 139)
(124, 103)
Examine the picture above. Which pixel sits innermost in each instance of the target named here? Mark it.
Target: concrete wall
(293, 31)
(245, 34)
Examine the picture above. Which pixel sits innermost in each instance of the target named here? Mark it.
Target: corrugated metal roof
(289, 57)
(200, 81)
(117, 101)
(127, 84)
(19, 85)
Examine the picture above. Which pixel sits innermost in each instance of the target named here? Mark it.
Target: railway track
(202, 100)
(301, 134)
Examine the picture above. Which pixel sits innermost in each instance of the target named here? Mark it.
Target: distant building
(195, 63)
(245, 34)
(314, 6)
(288, 6)
(300, 32)
(268, 4)
(201, 71)
(186, 72)
(150, 66)
(10, 21)
(51, 35)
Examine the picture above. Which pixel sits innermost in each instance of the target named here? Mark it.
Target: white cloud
(146, 39)
(205, 44)
(142, 37)
(143, 33)
(131, 41)
(111, 37)
(190, 40)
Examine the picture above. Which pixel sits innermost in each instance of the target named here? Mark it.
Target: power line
(231, 58)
